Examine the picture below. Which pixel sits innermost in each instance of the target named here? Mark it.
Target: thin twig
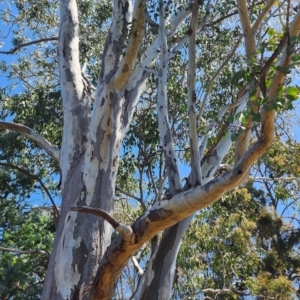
(125, 231)
(128, 194)
(13, 50)
(37, 178)
(34, 251)
(215, 76)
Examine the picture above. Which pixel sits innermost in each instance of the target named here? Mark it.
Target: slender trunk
(157, 281)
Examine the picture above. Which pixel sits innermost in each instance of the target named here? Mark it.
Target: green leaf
(292, 93)
(283, 70)
(256, 118)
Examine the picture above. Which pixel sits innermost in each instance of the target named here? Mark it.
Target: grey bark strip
(162, 109)
(75, 100)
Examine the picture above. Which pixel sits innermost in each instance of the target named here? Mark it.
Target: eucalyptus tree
(214, 74)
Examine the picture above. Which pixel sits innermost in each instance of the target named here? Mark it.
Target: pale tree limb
(179, 43)
(247, 29)
(279, 77)
(116, 38)
(125, 231)
(228, 168)
(38, 179)
(76, 100)
(241, 103)
(18, 251)
(151, 53)
(196, 176)
(277, 179)
(13, 50)
(137, 33)
(243, 139)
(137, 266)
(162, 109)
(261, 16)
(33, 135)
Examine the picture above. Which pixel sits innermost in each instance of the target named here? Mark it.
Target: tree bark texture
(85, 264)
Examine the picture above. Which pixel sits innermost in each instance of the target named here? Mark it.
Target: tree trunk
(157, 281)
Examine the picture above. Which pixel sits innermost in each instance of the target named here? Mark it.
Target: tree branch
(37, 178)
(33, 135)
(277, 179)
(13, 50)
(261, 16)
(137, 266)
(125, 231)
(76, 100)
(162, 109)
(243, 139)
(137, 33)
(247, 29)
(128, 194)
(34, 251)
(196, 176)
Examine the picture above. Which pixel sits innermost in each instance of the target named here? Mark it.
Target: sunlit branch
(243, 139)
(240, 103)
(261, 16)
(196, 176)
(206, 21)
(277, 179)
(13, 50)
(33, 135)
(251, 178)
(247, 29)
(18, 251)
(125, 231)
(162, 108)
(36, 178)
(137, 266)
(137, 33)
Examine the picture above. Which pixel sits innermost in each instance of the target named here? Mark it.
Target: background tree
(211, 74)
